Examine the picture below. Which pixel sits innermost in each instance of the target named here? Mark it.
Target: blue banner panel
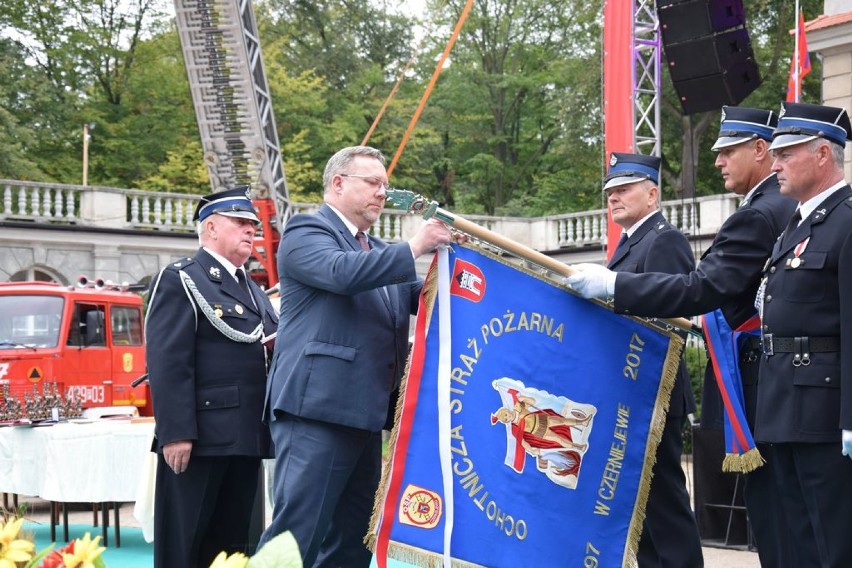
(528, 424)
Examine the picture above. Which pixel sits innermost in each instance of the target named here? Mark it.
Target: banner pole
(415, 203)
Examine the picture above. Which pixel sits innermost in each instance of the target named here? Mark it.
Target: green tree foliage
(330, 64)
(506, 110)
(513, 126)
(17, 139)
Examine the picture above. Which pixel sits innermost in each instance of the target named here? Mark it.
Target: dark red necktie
(362, 240)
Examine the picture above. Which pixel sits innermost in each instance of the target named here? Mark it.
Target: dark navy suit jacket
(656, 246)
(343, 335)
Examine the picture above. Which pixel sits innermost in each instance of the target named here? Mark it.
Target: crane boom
(230, 92)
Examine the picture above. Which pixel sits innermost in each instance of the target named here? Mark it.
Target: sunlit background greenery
(513, 127)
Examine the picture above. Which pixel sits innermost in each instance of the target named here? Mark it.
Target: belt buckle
(766, 344)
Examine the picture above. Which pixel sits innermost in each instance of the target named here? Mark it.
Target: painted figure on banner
(553, 429)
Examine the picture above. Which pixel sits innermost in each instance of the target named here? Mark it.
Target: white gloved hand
(847, 443)
(592, 280)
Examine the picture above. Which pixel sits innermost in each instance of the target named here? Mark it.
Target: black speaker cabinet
(686, 20)
(729, 87)
(708, 52)
(708, 55)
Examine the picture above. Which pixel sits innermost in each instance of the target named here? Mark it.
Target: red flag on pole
(800, 64)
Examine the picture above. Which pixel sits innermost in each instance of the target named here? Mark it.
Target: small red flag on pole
(800, 65)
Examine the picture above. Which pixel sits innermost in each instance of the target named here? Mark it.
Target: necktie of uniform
(621, 243)
(241, 279)
(791, 227)
(362, 240)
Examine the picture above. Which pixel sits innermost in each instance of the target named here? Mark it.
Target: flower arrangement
(16, 552)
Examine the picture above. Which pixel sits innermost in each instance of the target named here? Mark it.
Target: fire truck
(86, 339)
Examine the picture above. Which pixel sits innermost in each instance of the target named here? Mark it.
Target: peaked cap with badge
(740, 124)
(630, 168)
(801, 122)
(234, 202)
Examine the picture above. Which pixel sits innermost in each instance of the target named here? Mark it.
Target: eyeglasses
(371, 180)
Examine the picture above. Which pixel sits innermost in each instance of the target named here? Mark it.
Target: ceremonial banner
(528, 424)
(724, 345)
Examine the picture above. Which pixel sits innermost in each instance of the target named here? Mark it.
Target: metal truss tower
(647, 85)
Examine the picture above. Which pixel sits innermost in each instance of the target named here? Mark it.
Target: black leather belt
(801, 346)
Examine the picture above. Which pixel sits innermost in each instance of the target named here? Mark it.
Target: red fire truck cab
(88, 339)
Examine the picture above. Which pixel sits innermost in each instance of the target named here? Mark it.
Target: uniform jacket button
(828, 379)
(772, 270)
(769, 298)
(206, 403)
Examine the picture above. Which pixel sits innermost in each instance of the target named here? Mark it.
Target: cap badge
(782, 112)
(248, 192)
(613, 160)
(723, 114)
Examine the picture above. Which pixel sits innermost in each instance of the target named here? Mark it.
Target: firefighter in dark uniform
(727, 277)
(804, 404)
(205, 328)
(650, 244)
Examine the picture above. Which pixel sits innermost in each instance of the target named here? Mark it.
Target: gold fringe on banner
(655, 434)
(743, 463)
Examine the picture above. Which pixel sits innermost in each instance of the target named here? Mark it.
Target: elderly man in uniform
(205, 328)
(804, 404)
(727, 278)
(650, 244)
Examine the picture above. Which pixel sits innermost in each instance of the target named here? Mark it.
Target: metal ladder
(230, 93)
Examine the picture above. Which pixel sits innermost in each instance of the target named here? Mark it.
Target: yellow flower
(86, 551)
(13, 550)
(236, 560)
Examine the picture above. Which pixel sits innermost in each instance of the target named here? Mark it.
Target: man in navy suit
(804, 403)
(346, 298)
(727, 277)
(205, 327)
(650, 244)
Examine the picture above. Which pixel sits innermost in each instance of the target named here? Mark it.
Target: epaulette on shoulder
(179, 264)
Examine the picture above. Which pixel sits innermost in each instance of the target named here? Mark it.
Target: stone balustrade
(133, 209)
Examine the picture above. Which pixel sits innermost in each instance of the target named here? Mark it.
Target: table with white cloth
(76, 462)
